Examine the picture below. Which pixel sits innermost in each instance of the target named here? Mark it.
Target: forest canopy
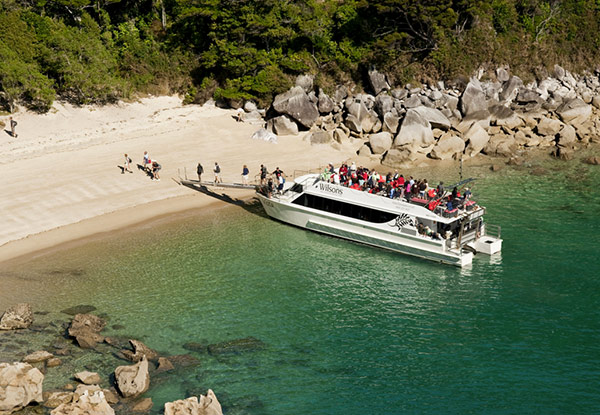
(100, 51)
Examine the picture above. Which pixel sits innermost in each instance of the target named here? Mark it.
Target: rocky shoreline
(70, 367)
(495, 113)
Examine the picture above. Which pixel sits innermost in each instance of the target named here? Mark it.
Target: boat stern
(487, 244)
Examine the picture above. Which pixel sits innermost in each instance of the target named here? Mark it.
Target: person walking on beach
(263, 174)
(146, 160)
(217, 171)
(245, 173)
(155, 169)
(13, 125)
(126, 164)
(199, 170)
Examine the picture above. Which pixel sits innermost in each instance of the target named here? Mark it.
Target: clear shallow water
(351, 329)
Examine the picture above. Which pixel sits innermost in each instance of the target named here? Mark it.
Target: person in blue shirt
(245, 173)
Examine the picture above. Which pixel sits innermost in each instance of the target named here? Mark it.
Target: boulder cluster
(496, 114)
(21, 383)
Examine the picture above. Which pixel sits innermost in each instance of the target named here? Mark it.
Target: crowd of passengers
(395, 186)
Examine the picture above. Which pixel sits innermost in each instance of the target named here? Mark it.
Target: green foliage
(233, 50)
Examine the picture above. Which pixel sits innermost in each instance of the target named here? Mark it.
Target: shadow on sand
(251, 205)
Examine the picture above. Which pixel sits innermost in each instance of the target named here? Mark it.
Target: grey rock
(380, 142)
(353, 124)
(510, 89)
(297, 105)
(527, 95)
(364, 151)
(477, 138)
(390, 123)
(501, 145)
(473, 98)
(414, 131)
(250, 106)
(447, 146)
(340, 135)
(502, 74)
(549, 126)
(574, 111)
(378, 82)
(593, 160)
(399, 93)
(558, 72)
(434, 116)
(567, 136)
(383, 104)
(284, 125)
(413, 102)
(341, 92)
(326, 104)
(305, 82)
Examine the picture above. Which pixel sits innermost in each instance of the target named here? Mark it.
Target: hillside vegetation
(232, 50)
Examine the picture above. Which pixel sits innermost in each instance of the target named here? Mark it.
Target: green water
(351, 329)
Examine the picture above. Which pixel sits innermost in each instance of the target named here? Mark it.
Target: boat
(418, 227)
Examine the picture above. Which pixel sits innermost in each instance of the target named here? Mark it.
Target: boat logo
(331, 189)
(403, 220)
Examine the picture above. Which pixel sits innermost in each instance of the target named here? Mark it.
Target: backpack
(128, 159)
(218, 169)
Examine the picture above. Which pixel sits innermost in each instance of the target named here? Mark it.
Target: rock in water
(247, 344)
(85, 329)
(39, 356)
(140, 350)
(19, 316)
(208, 405)
(85, 405)
(20, 384)
(88, 378)
(133, 380)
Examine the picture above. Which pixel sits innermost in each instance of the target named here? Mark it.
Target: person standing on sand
(199, 170)
(146, 159)
(13, 125)
(217, 171)
(126, 166)
(245, 173)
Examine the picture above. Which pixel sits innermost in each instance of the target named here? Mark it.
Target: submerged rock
(79, 309)
(140, 350)
(85, 329)
(247, 344)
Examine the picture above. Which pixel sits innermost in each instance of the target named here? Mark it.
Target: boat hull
(377, 235)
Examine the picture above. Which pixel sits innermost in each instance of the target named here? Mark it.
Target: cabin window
(345, 209)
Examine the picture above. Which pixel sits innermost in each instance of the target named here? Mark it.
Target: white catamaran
(450, 237)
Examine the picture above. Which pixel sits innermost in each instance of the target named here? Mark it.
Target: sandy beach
(61, 180)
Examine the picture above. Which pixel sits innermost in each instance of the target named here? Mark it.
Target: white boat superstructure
(394, 224)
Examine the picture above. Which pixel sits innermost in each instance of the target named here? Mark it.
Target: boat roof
(316, 186)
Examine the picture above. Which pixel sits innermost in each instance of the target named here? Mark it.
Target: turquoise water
(351, 329)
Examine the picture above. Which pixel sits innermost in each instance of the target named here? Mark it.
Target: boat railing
(493, 230)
